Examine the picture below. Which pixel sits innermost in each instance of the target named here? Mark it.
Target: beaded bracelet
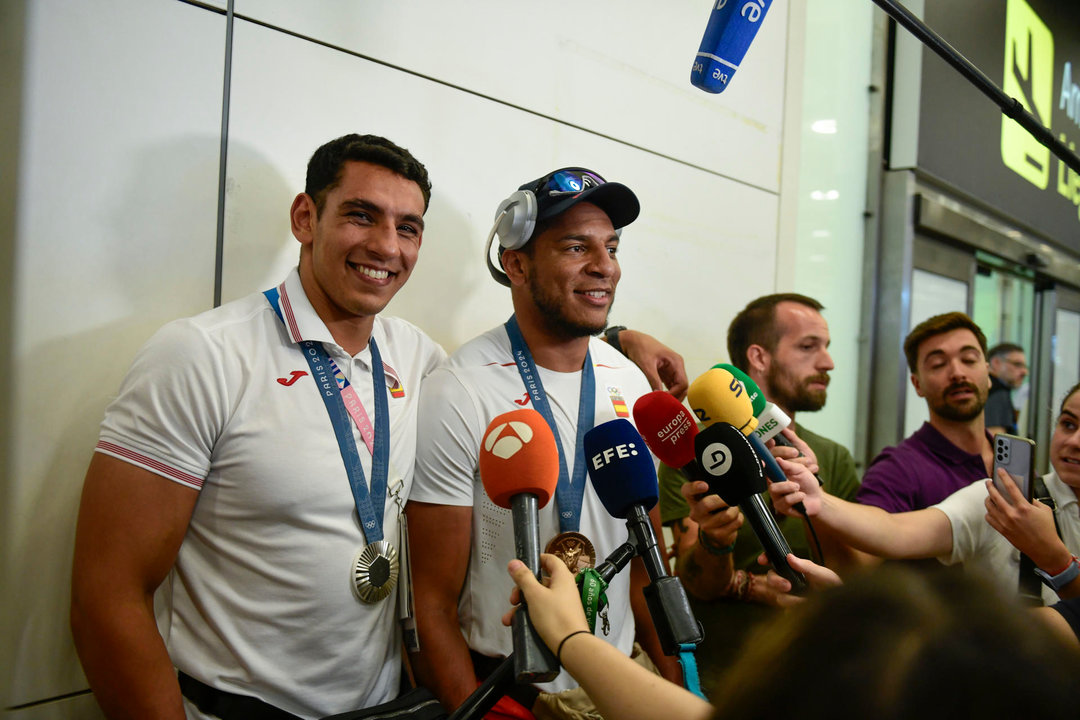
(711, 547)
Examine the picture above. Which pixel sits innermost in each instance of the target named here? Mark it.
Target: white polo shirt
(260, 600)
(458, 401)
(984, 550)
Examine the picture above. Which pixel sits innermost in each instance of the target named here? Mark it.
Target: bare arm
(131, 524)
(620, 687)
(663, 367)
(838, 554)
(923, 533)
(705, 575)
(439, 545)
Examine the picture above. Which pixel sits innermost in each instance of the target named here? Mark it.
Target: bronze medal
(375, 571)
(574, 549)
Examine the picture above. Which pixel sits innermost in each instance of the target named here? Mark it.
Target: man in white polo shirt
(219, 471)
(256, 461)
(562, 270)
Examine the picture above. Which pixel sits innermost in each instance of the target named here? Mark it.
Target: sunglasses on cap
(567, 181)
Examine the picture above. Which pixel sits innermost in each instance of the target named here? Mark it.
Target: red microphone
(519, 467)
(669, 430)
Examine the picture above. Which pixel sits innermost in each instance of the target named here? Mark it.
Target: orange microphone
(519, 467)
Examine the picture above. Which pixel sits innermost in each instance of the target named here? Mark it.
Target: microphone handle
(772, 468)
(533, 661)
(665, 595)
(772, 540)
(619, 558)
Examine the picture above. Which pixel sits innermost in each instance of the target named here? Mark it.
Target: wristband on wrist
(712, 548)
(1056, 581)
(558, 653)
(611, 336)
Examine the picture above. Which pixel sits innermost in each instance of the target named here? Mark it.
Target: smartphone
(1017, 456)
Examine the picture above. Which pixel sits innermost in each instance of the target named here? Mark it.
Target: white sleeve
(171, 406)
(447, 442)
(966, 512)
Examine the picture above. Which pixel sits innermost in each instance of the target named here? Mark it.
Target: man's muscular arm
(131, 524)
(439, 542)
(705, 573)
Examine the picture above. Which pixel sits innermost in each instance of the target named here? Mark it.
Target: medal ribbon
(568, 493)
(322, 368)
(354, 407)
(593, 597)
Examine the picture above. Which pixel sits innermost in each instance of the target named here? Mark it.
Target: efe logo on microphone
(505, 444)
(623, 450)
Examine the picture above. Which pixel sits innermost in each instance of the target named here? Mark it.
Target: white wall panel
(620, 67)
(702, 248)
(116, 234)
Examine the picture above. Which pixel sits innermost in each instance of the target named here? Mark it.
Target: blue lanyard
(569, 495)
(322, 372)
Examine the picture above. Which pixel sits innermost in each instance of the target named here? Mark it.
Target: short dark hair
(756, 325)
(938, 325)
(326, 164)
(1003, 349)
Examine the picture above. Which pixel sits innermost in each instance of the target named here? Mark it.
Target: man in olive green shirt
(781, 341)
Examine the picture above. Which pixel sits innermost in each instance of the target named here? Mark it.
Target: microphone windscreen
(518, 455)
(757, 398)
(667, 427)
(620, 467)
(716, 396)
(729, 463)
(770, 422)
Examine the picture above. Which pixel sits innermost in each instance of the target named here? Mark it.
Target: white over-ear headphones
(515, 220)
(514, 223)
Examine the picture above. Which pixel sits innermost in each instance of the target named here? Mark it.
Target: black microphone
(734, 471)
(622, 473)
(519, 468)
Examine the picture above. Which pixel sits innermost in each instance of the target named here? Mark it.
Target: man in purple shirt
(947, 358)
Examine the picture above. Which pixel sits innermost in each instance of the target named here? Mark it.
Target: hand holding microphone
(717, 396)
(519, 470)
(726, 456)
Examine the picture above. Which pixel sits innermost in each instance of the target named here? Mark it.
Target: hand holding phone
(1016, 455)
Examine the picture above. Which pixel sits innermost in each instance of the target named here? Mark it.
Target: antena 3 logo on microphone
(1029, 77)
(518, 455)
(505, 439)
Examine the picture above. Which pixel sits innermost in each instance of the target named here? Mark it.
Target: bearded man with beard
(947, 358)
(781, 342)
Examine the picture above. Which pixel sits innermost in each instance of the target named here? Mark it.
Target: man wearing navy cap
(558, 238)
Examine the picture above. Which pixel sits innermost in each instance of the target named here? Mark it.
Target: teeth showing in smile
(598, 294)
(371, 272)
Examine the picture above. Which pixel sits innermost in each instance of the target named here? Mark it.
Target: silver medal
(375, 571)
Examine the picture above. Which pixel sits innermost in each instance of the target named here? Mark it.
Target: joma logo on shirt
(293, 377)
